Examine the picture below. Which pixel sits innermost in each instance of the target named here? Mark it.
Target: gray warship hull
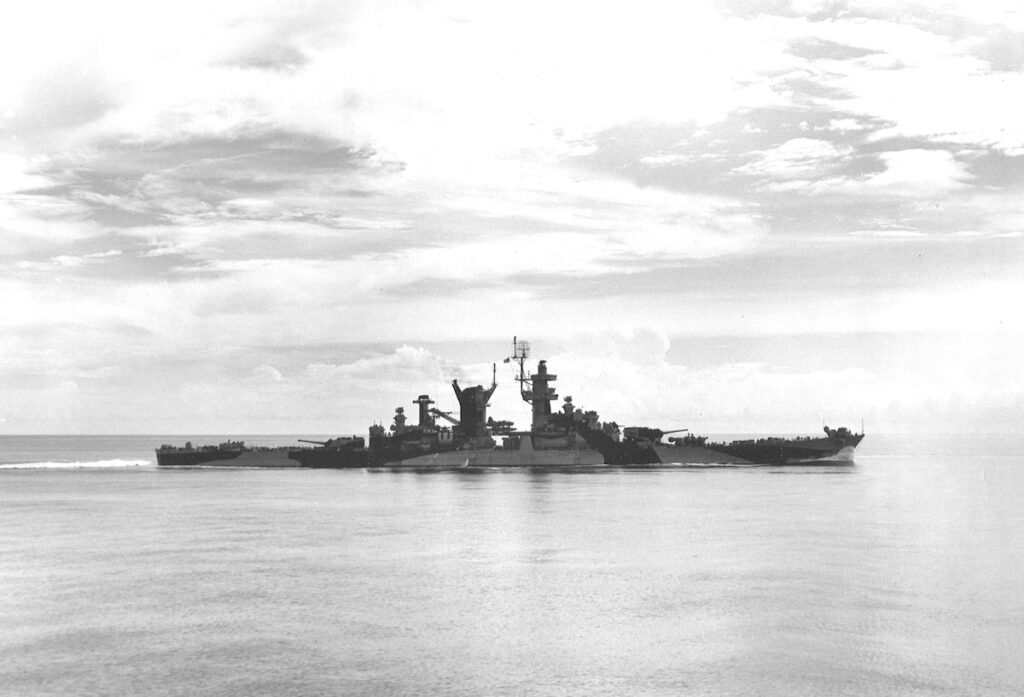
(778, 455)
(521, 454)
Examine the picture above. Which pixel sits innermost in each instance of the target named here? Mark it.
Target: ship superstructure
(475, 439)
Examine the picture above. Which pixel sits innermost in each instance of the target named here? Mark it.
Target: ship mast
(534, 389)
(520, 352)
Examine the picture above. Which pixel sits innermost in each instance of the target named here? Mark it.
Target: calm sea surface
(900, 575)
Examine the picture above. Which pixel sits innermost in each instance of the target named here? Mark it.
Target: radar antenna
(520, 352)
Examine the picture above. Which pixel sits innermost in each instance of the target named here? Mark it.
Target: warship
(557, 437)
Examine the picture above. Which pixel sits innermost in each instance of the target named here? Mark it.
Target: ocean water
(902, 574)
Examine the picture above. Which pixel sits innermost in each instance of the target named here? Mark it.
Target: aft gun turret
(643, 433)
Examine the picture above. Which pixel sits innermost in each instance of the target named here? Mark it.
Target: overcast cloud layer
(734, 216)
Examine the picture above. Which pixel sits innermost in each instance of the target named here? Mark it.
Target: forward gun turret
(354, 442)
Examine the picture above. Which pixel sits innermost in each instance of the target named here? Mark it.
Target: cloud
(845, 125)
(268, 54)
(16, 174)
(602, 372)
(327, 173)
(32, 225)
(920, 170)
(1002, 46)
(263, 373)
(68, 261)
(816, 48)
(188, 177)
(891, 233)
(798, 157)
(907, 173)
(406, 364)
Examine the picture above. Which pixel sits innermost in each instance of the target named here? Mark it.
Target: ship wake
(93, 464)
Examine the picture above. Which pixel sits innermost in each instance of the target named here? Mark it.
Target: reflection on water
(897, 575)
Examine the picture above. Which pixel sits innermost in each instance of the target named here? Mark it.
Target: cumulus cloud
(406, 364)
(921, 171)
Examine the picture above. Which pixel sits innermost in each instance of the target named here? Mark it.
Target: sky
(756, 217)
